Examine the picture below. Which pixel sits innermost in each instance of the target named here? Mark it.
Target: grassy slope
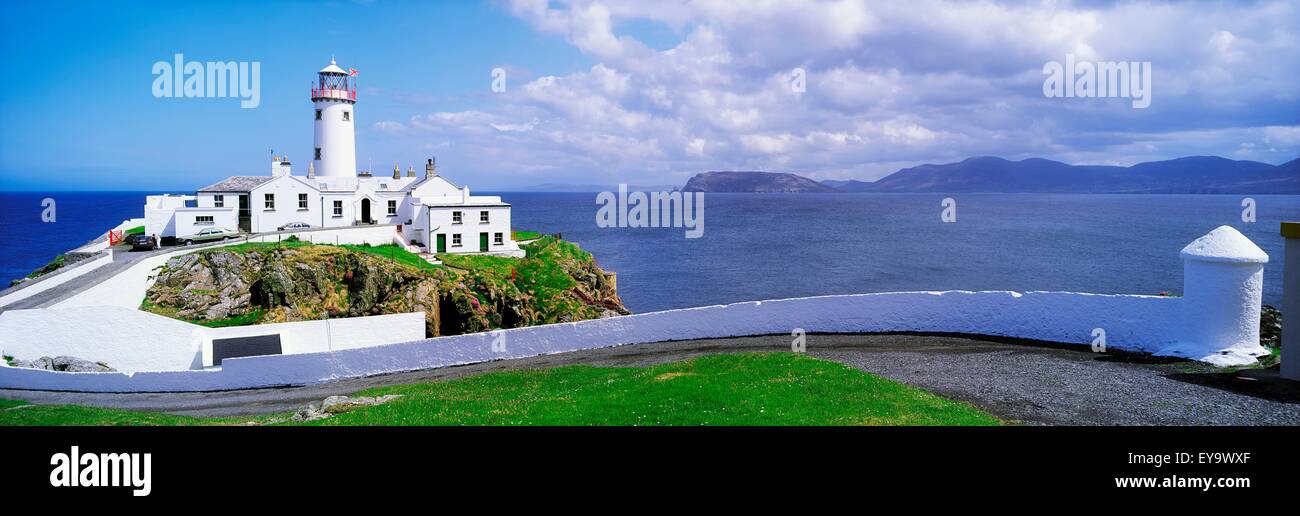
(732, 389)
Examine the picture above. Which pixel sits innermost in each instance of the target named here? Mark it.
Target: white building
(433, 213)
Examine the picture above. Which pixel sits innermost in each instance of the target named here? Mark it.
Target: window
(392, 208)
(302, 201)
(347, 116)
(317, 153)
(270, 201)
(318, 114)
(483, 217)
(455, 217)
(219, 201)
(338, 208)
(498, 239)
(203, 219)
(455, 240)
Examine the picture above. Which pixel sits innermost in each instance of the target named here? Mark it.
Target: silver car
(208, 235)
(294, 225)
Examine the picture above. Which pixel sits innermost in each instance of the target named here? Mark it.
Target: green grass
(388, 251)
(726, 389)
(134, 230)
(57, 263)
(525, 235)
(250, 318)
(392, 253)
(8, 360)
(4, 404)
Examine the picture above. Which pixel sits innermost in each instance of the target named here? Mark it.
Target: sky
(641, 92)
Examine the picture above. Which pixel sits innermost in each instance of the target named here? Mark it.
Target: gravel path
(1032, 383)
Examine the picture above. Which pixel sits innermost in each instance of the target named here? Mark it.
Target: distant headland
(1189, 175)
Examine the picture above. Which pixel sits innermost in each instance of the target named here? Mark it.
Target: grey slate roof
(236, 184)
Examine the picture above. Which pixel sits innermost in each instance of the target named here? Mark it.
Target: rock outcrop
(557, 282)
(65, 363)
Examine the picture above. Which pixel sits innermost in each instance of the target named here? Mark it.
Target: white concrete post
(1223, 287)
(1291, 302)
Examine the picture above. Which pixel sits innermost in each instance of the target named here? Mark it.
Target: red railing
(334, 93)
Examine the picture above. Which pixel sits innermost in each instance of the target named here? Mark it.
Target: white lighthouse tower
(335, 98)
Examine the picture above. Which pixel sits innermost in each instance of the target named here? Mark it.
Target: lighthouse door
(365, 211)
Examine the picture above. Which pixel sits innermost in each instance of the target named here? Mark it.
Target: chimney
(311, 170)
(429, 168)
(410, 171)
(397, 171)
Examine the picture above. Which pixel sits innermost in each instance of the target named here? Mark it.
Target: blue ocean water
(764, 246)
(26, 242)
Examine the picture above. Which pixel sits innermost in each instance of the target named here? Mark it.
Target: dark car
(141, 242)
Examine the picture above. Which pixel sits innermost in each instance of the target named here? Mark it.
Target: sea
(768, 246)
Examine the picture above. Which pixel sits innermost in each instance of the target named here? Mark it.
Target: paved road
(1016, 380)
(123, 257)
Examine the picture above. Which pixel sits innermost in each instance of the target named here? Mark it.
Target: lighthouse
(335, 99)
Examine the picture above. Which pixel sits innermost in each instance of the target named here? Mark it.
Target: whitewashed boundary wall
(133, 340)
(56, 278)
(1161, 325)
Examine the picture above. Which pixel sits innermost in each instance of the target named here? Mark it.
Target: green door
(482, 242)
(442, 243)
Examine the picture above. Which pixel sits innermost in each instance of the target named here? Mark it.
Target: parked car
(141, 242)
(294, 225)
(208, 235)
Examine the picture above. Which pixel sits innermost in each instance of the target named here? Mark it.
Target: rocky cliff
(264, 283)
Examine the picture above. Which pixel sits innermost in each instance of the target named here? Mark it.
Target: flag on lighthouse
(352, 72)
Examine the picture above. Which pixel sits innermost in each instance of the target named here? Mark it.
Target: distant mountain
(1195, 174)
(765, 182)
(987, 174)
(849, 185)
(587, 188)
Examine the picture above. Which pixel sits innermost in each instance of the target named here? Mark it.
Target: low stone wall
(300, 337)
(63, 275)
(380, 234)
(1139, 323)
(1217, 322)
(132, 340)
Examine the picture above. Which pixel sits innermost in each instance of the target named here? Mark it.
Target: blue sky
(641, 92)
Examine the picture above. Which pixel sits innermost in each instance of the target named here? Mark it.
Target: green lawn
(389, 251)
(524, 235)
(727, 389)
(393, 253)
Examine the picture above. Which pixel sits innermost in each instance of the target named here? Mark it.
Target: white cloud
(889, 84)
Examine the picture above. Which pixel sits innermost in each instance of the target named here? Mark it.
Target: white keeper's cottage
(433, 213)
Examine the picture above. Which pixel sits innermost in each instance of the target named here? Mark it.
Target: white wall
(56, 278)
(1139, 323)
(327, 335)
(439, 221)
(124, 338)
(132, 340)
(373, 235)
(159, 213)
(286, 190)
(187, 220)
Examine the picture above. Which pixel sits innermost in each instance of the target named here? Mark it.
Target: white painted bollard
(1223, 288)
(1291, 302)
